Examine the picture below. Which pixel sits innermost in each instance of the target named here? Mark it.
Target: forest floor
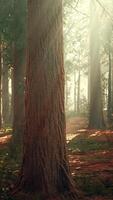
(91, 160)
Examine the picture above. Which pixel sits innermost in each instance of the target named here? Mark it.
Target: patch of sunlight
(97, 133)
(5, 139)
(108, 132)
(105, 152)
(8, 130)
(71, 136)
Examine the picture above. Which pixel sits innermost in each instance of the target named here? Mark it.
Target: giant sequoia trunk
(112, 84)
(45, 168)
(0, 80)
(96, 113)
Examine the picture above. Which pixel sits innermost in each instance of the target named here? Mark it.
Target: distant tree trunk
(11, 102)
(0, 81)
(78, 94)
(18, 77)
(109, 89)
(5, 94)
(96, 110)
(112, 84)
(88, 87)
(75, 92)
(18, 102)
(66, 93)
(45, 168)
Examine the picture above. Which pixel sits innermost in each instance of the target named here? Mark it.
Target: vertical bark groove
(0, 80)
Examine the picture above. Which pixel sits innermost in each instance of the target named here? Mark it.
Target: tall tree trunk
(112, 82)
(11, 99)
(66, 93)
(18, 77)
(96, 110)
(109, 89)
(78, 94)
(45, 168)
(18, 103)
(5, 94)
(0, 80)
(75, 91)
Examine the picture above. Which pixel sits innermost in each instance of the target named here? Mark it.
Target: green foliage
(92, 185)
(8, 174)
(13, 27)
(86, 145)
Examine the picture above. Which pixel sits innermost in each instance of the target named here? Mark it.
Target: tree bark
(11, 100)
(18, 103)
(78, 94)
(109, 88)
(0, 81)
(5, 94)
(66, 93)
(96, 119)
(45, 169)
(75, 92)
(112, 82)
(18, 76)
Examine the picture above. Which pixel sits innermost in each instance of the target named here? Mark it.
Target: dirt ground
(91, 165)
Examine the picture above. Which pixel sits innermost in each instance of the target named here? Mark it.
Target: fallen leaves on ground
(91, 159)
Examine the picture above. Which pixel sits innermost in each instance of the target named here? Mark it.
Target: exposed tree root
(66, 196)
(72, 195)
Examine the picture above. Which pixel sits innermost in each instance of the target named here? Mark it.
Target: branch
(74, 8)
(105, 10)
(76, 4)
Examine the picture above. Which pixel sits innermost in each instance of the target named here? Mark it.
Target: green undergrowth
(8, 174)
(93, 185)
(86, 145)
(90, 184)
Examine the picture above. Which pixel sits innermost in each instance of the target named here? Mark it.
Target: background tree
(5, 88)
(110, 88)
(76, 53)
(18, 47)
(96, 119)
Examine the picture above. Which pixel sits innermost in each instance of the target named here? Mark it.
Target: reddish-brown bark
(0, 81)
(45, 168)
